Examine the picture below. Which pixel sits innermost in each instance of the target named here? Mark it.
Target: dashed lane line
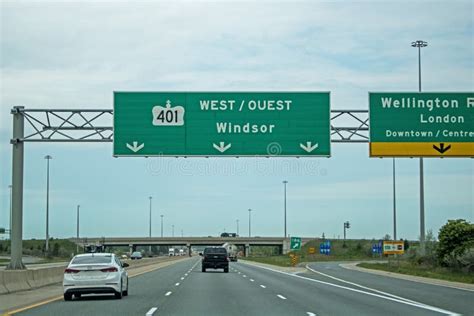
(168, 293)
(262, 286)
(281, 296)
(388, 298)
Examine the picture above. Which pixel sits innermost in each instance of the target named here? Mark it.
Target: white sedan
(95, 273)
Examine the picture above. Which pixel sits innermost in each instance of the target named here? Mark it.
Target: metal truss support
(347, 126)
(88, 125)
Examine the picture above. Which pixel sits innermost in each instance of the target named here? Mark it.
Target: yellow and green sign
(425, 124)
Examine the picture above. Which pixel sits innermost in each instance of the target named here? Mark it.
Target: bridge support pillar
(132, 248)
(247, 250)
(189, 249)
(286, 246)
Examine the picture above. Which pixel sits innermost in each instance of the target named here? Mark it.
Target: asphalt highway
(182, 289)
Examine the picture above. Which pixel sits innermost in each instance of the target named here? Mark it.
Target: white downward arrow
(135, 147)
(308, 148)
(221, 148)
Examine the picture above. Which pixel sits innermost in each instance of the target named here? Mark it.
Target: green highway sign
(221, 124)
(421, 124)
(295, 243)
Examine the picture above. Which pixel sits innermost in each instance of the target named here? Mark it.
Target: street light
(250, 211)
(420, 44)
(77, 230)
(172, 230)
(48, 158)
(11, 193)
(284, 185)
(149, 226)
(394, 203)
(237, 221)
(161, 225)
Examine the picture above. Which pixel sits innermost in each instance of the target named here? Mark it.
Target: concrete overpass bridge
(245, 242)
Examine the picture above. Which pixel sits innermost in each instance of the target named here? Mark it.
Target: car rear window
(215, 250)
(92, 260)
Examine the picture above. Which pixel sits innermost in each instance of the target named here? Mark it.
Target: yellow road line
(33, 305)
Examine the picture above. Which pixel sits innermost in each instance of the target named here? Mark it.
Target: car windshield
(92, 259)
(215, 250)
(136, 254)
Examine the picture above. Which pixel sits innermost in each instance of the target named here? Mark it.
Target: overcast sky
(75, 54)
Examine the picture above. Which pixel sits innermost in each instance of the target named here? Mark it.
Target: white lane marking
(415, 304)
(262, 286)
(182, 278)
(251, 280)
(244, 276)
(412, 280)
(311, 314)
(177, 284)
(281, 296)
(185, 274)
(151, 311)
(238, 272)
(168, 293)
(358, 285)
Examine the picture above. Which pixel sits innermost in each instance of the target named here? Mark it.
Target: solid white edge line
(419, 305)
(361, 286)
(168, 293)
(281, 296)
(151, 311)
(417, 281)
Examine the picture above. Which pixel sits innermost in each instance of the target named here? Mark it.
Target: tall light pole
(284, 186)
(172, 230)
(237, 221)
(48, 158)
(394, 204)
(149, 224)
(250, 211)
(161, 225)
(182, 235)
(11, 193)
(77, 229)
(420, 44)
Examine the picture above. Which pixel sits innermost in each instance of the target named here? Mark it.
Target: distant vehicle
(94, 248)
(215, 258)
(232, 251)
(171, 252)
(124, 256)
(136, 255)
(229, 235)
(181, 252)
(95, 273)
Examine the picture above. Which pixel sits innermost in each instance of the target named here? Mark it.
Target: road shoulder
(451, 284)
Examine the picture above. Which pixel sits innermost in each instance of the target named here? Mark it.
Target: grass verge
(422, 271)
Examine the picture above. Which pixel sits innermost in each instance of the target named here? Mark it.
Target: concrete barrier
(3, 289)
(15, 281)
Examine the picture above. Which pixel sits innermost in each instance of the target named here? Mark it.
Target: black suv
(215, 258)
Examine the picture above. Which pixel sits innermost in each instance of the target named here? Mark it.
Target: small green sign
(221, 124)
(295, 243)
